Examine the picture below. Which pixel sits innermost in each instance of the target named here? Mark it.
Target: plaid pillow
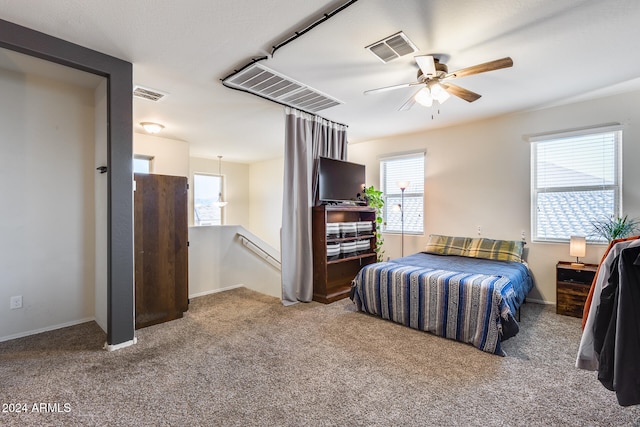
(501, 250)
(447, 245)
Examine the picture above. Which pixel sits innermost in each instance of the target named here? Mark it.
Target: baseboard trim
(47, 329)
(539, 301)
(215, 291)
(114, 347)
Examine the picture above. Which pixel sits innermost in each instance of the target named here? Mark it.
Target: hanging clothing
(587, 304)
(617, 329)
(604, 327)
(586, 358)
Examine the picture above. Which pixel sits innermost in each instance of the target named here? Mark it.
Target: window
(396, 169)
(207, 193)
(142, 164)
(576, 179)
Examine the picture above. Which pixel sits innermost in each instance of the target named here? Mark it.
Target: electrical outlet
(15, 302)
(479, 231)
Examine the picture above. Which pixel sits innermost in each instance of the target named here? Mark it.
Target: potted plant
(611, 228)
(375, 200)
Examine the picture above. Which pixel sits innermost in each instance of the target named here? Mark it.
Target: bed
(466, 289)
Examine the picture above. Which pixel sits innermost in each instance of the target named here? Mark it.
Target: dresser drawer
(575, 276)
(571, 298)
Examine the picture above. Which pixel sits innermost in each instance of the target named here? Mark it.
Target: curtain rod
(297, 34)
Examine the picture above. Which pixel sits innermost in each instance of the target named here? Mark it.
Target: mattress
(466, 299)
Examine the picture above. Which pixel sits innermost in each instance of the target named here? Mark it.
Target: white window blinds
(575, 181)
(410, 206)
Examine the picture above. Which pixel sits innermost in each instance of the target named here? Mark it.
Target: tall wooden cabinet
(332, 274)
(161, 248)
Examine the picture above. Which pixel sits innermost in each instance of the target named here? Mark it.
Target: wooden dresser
(572, 287)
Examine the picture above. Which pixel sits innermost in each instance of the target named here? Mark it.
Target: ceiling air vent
(269, 84)
(149, 94)
(392, 47)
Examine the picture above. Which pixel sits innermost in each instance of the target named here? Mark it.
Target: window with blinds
(576, 179)
(403, 211)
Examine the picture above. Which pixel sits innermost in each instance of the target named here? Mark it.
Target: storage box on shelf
(348, 229)
(333, 230)
(333, 251)
(334, 269)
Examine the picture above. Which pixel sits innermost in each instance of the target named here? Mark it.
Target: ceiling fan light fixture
(434, 90)
(439, 93)
(424, 98)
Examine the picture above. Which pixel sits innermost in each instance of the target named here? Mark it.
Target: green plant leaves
(615, 228)
(376, 201)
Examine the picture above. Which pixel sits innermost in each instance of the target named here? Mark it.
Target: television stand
(332, 277)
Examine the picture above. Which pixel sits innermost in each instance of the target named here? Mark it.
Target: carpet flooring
(240, 358)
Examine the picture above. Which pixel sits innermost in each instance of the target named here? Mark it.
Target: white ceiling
(562, 50)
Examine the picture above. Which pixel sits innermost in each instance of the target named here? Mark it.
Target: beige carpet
(241, 358)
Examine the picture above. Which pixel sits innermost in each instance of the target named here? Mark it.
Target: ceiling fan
(433, 79)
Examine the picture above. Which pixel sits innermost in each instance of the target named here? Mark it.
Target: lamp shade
(439, 93)
(403, 185)
(577, 246)
(424, 97)
(220, 202)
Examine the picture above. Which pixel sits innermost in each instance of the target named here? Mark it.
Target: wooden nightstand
(572, 287)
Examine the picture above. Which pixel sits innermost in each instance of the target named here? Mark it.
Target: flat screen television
(340, 181)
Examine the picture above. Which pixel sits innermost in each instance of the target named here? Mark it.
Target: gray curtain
(307, 137)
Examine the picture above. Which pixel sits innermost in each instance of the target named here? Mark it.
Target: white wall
(218, 261)
(170, 156)
(47, 223)
(478, 174)
(266, 186)
(253, 191)
(236, 188)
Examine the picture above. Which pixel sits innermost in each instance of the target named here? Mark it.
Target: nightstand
(572, 287)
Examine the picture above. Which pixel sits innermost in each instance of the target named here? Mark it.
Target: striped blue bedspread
(456, 297)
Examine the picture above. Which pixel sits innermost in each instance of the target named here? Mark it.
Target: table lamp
(577, 248)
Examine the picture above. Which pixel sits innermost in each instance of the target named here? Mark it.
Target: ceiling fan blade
(384, 89)
(481, 68)
(409, 103)
(461, 92)
(427, 65)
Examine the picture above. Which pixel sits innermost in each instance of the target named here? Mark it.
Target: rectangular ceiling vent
(149, 94)
(264, 82)
(392, 47)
